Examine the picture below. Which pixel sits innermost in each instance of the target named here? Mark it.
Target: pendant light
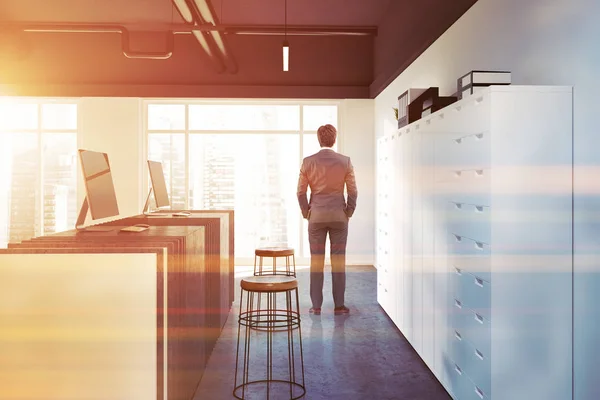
(286, 45)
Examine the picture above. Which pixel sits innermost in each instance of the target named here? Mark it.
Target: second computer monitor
(159, 185)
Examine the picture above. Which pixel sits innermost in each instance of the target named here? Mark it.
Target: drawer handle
(479, 392)
(479, 318)
(457, 369)
(457, 237)
(478, 100)
(478, 354)
(458, 141)
(478, 245)
(458, 173)
(479, 136)
(458, 108)
(417, 127)
(457, 303)
(458, 271)
(458, 205)
(428, 122)
(393, 136)
(457, 335)
(479, 172)
(477, 208)
(479, 282)
(441, 116)
(385, 290)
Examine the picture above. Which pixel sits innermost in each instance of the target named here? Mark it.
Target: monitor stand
(146, 210)
(81, 220)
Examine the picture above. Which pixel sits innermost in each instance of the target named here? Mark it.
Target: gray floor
(359, 356)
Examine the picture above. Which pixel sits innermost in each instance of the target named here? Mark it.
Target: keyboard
(175, 214)
(134, 229)
(98, 228)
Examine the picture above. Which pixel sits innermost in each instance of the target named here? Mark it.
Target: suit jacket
(326, 172)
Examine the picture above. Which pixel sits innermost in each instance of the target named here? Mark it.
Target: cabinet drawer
(471, 256)
(473, 327)
(471, 221)
(473, 392)
(474, 293)
(474, 365)
(472, 114)
(457, 382)
(472, 186)
(471, 151)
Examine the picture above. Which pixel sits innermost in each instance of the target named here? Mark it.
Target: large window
(38, 169)
(240, 156)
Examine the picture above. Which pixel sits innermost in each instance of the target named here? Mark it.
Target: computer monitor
(161, 195)
(159, 186)
(100, 198)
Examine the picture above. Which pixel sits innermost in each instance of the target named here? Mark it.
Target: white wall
(114, 126)
(359, 144)
(552, 42)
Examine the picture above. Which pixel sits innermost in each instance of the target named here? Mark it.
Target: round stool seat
(274, 252)
(269, 283)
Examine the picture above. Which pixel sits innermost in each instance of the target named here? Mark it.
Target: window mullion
(40, 198)
(186, 158)
(300, 217)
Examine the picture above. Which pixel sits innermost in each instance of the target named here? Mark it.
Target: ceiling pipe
(298, 30)
(120, 29)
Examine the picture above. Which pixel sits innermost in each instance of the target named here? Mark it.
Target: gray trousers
(317, 236)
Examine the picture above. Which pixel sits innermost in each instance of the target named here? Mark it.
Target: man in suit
(328, 212)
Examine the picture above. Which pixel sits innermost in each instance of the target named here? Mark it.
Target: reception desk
(198, 291)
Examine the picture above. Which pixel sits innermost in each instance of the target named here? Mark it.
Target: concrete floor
(358, 356)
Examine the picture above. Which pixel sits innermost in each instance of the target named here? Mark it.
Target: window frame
(40, 131)
(187, 132)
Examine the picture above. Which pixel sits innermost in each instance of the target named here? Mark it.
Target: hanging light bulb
(286, 45)
(286, 56)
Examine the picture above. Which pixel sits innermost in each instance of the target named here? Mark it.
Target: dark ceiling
(232, 48)
(238, 12)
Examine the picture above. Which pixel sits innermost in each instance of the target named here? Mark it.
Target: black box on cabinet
(470, 83)
(428, 102)
(403, 101)
(438, 104)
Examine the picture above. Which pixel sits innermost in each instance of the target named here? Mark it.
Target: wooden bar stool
(261, 324)
(275, 252)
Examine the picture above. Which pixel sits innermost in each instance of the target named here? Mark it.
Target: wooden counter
(190, 337)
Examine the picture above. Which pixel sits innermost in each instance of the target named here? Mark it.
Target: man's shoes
(316, 311)
(341, 310)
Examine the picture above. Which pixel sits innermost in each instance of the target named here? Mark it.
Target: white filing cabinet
(480, 241)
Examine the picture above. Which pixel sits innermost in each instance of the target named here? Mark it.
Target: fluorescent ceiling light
(286, 55)
(203, 42)
(184, 10)
(204, 10)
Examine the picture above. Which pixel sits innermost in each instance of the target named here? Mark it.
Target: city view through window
(242, 157)
(38, 169)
